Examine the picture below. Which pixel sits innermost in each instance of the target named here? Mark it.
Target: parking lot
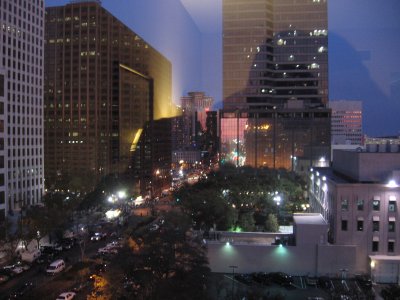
(301, 287)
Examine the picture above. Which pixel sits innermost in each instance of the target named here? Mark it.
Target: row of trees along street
(168, 263)
(242, 199)
(59, 211)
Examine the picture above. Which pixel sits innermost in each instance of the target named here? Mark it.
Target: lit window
(360, 225)
(376, 204)
(392, 205)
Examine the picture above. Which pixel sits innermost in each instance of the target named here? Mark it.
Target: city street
(36, 274)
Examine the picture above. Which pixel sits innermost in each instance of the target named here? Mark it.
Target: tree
(234, 197)
(271, 224)
(169, 263)
(9, 238)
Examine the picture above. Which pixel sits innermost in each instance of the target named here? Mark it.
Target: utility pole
(233, 279)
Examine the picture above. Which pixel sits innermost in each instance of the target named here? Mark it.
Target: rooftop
(309, 219)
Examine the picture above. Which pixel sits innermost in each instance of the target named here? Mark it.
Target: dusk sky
(364, 47)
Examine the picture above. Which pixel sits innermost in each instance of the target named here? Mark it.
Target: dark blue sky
(364, 49)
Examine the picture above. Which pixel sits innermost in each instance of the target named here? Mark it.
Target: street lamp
(121, 194)
(277, 198)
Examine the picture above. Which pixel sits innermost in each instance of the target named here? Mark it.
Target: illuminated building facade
(212, 136)
(103, 84)
(21, 104)
(346, 122)
(275, 139)
(275, 69)
(273, 51)
(358, 197)
(152, 159)
(194, 112)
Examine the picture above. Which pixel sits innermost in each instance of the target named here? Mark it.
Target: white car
(110, 250)
(66, 296)
(18, 270)
(114, 244)
(154, 227)
(97, 236)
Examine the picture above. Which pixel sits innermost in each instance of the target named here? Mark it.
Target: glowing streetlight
(392, 184)
(121, 194)
(277, 199)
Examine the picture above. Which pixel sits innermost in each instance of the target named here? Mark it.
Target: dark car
(22, 290)
(67, 244)
(81, 286)
(364, 281)
(261, 277)
(100, 268)
(97, 236)
(244, 278)
(324, 283)
(281, 278)
(5, 275)
(391, 292)
(48, 250)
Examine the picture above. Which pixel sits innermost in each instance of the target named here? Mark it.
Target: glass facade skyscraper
(103, 85)
(274, 51)
(275, 76)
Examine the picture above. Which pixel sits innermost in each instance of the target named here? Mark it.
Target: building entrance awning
(393, 258)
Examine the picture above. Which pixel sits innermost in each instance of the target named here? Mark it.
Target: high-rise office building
(194, 112)
(273, 51)
(21, 106)
(275, 77)
(103, 84)
(346, 122)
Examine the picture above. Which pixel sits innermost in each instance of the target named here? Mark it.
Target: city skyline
(360, 68)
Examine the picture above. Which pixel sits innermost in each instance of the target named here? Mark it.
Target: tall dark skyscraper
(273, 51)
(103, 84)
(21, 104)
(275, 77)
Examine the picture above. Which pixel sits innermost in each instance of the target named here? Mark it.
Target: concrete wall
(311, 234)
(365, 166)
(308, 259)
(333, 258)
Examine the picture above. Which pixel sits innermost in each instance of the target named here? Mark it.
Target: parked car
(261, 277)
(364, 281)
(108, 250)
(56, 267)
(154, 227)
(4, 276)
(244, 278)
(16, 268)
(324, 283)
(391, 292)
(311, 281)
(48, 250)
(97, 236)
(22, 290)
(100, 268)
(281, 278)
(67, 243)
(66, 296)
(81, 286)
